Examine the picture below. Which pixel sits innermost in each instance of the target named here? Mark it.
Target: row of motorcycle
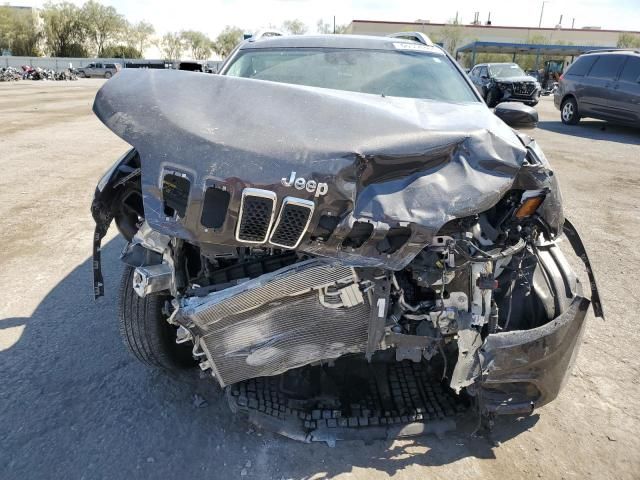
(26, 72)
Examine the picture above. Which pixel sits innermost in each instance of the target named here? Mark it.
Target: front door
(598, 92)
(625, 95)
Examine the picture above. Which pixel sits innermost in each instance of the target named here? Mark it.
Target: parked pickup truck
(99, 69)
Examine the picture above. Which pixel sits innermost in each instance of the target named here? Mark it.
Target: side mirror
(484, 77)
(517, 115)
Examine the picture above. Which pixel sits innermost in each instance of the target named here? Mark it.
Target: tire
(146, 332)
(107, 75)
(569, 111)
(491, 98)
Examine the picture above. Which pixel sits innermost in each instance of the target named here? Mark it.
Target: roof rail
(415, 36)
(604, 50)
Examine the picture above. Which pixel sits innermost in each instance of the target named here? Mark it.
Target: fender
(106, 206)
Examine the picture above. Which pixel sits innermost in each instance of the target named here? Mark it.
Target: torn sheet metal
(385, 160)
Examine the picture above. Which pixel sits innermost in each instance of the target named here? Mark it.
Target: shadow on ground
(76, 405)
(595, 130)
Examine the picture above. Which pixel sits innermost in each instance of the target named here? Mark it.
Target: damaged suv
(343, 235)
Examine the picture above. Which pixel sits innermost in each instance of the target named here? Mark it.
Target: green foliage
(120, 51)
(171, 45)
(19, 32)
(64, 29)
(227, 40)
(628, 40)
(138, 36)
(198, 44)
(323, 27)
(294, 27)
(451, 36)
(102, 25)
(537, 39)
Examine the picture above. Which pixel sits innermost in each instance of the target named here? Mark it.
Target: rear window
(581, 66)
(607, 66)
(631, 70)
(406, 73)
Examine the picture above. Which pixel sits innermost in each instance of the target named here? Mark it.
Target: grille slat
(256, 214)
(523, 88)
(292, 222)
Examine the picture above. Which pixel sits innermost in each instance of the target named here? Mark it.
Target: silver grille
(293, 220)
(257, 209)
(277, 322)
(523, 88)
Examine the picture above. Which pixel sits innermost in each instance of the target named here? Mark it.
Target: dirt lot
(74, 404)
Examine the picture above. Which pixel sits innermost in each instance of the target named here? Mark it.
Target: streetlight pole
(541, 12)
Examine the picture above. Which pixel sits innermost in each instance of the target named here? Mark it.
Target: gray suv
(602, 84)
(99, 69)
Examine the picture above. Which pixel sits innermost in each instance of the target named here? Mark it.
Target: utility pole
(334, 24)
(541, 12)
(573, 23)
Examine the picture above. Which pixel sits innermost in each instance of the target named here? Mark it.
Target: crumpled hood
(386, 160)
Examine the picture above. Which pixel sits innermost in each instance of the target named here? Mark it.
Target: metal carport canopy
(526, 48)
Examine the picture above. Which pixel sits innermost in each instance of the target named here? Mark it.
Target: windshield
(412, 74)
(506, 71)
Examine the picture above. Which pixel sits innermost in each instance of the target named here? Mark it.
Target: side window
(109, 65)
(631, 70)
(91, 65)
(607, 67)
(98, 65)
(582, 65)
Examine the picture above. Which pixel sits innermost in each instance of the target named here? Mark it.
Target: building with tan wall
(494, 33)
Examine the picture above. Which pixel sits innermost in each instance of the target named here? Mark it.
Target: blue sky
(210, 16)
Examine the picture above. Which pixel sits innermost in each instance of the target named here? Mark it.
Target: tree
(198, 44)
(294, 27)
(103, 24)
(64, 29)
(120, 51)
(138, 36)
(227, 40)
(171, 46)
(19, 32)
(323, 27)
(452, 35)
(628, 40)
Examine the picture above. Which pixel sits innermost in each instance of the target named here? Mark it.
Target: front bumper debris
(521, 370)
(525, 369)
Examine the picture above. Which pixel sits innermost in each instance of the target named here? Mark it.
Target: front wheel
(107, 75)
(569, 112)
(145, 330)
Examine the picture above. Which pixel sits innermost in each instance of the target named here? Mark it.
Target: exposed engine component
(279, 321)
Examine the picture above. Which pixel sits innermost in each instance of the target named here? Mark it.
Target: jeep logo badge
(308, 185)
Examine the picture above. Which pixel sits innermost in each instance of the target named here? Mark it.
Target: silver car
(100, 69)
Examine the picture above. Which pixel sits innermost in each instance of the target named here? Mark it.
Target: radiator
(280, 320)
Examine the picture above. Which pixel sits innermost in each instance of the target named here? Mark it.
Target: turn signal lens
(529, 207)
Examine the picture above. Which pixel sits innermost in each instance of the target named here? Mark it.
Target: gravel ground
(74, 404)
